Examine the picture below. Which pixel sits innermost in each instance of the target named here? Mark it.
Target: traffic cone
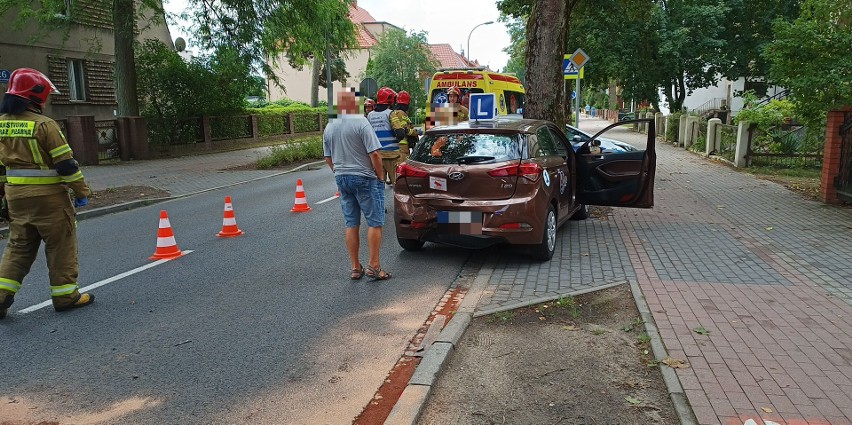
(229, 223)
(301, 202)
(166, 246)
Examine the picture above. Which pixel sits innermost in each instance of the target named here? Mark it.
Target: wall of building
(298, 83)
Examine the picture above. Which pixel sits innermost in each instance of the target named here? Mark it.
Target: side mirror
(577, 138)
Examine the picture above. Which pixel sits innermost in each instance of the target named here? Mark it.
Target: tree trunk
(124, 16)
(613, 95)
(316, 69)
(547, 31)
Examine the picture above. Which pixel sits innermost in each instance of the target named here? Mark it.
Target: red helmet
(31, 85)
(403, 98)
(370, 102)
(386, 96)
(453, 90)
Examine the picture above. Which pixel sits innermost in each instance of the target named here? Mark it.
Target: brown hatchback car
(513, 181)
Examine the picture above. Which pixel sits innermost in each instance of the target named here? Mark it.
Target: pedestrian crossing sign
(569, 70)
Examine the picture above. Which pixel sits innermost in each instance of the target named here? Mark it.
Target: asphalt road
(263, 328)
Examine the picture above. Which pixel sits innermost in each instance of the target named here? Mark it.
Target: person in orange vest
(40, 169)
(460, 111)
(404, 131)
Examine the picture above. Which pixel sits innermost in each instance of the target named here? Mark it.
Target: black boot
(4, 306)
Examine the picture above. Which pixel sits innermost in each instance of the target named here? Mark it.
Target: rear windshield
(463, 148)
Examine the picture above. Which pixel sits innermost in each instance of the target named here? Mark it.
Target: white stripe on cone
(166, 242)
(229, 222)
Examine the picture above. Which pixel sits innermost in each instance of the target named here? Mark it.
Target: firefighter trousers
(390, 159)
(48, 218)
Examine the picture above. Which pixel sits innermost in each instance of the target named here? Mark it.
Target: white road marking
(47, 303)
(328, 199)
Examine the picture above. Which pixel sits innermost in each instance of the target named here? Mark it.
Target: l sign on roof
(579, 58)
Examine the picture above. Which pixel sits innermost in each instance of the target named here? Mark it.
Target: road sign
(4, 75)
(579, 58)
(569, 70)
(483, 106)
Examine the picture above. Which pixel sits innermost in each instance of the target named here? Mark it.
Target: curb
(410, 405)
(126, 206)
(681, 404)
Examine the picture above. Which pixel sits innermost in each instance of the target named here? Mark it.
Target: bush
(672, 130)
(297, 150)
(274, 120)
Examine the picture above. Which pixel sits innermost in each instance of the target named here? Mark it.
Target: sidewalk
(767, 273)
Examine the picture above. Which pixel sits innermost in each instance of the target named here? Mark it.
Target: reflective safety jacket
(400, 121)
(30, 146)
(380, 120)
(463, 114)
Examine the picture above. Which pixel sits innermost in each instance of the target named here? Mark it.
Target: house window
(760, 88)
(76, 82)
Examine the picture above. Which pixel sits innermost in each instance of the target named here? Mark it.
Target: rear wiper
(473, 158)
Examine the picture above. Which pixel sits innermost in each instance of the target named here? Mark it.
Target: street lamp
(471, 32)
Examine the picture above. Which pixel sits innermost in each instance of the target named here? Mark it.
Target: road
(263, 328)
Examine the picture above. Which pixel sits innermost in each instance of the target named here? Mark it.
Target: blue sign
(483, 106)
(4, 75)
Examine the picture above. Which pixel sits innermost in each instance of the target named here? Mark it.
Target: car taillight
(529, 170)
(405, 170)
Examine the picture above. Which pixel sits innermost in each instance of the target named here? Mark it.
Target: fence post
(689, 134)
(712, 144)
(660, 123)
(742, 144)
(82, 137)
(681, 130)
(255, 127)
(832, 155)
(319, 121)
(291, 120)
(206, 132)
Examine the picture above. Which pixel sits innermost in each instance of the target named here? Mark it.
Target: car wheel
(410, 244)
(544, 250)
(582, 213)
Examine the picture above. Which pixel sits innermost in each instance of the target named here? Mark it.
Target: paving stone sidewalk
(767, 273)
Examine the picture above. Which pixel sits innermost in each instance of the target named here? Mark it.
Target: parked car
(579, 137)
(626, 116)
(510, 181)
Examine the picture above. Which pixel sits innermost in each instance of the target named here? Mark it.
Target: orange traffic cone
(166, 246)
(229, 223)
(301, 202)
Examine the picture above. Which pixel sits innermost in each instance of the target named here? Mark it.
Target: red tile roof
(365, 39)
(447, 57)
(358, 14)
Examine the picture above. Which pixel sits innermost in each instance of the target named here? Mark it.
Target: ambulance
(508, 89)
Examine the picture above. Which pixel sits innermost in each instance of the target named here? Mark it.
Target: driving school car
(512, 181)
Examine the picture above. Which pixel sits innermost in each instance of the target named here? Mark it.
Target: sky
(445, 21)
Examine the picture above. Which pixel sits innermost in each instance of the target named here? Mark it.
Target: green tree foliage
(401, 61)
(517, 49)
(258, 30)
(812, 57)
(172, 90)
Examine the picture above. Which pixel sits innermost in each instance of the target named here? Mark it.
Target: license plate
(460, 222)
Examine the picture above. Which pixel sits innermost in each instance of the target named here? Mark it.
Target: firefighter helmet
(453, 90)
(385, 96)
(403, 97)
(369, 102)
(31, 85)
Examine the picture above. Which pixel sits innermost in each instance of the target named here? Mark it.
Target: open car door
(617, 179)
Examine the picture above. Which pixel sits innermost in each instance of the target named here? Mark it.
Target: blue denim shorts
(362, 194)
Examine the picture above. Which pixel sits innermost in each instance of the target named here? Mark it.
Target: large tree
(401, 61)
(812, 57)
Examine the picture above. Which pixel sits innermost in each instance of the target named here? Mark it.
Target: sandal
(357, 273)
(377, 273)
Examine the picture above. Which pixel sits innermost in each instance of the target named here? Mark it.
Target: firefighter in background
(403, 129)
(40, 169)
(461, 112)
(369, 105)
(380, 121)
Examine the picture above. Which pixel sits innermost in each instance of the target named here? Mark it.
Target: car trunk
(448, 182)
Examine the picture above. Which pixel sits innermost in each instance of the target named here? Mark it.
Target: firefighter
(380, 121)
(461, 112)
(403, 129)
(40, 169)
(369, 105)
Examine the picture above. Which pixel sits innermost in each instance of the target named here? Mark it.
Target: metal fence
(108, 147)
(783, 146)
(727, 137)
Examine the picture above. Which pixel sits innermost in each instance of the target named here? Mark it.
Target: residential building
(297, 83)
(79, 61)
